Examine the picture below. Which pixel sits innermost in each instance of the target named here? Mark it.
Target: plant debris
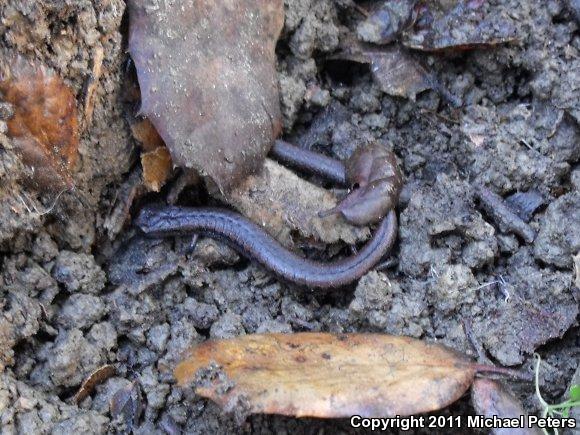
(507, 219)
(127, 406)
(44, 125)
(97, 377)
(208, 83)
(285, 204)
(144, 132)
(328, 375)
(394, 69)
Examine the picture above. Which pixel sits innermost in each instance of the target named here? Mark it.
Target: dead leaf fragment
(286, 205)
(328, 375)
(97, 377)
(395, 70)
(127, 405)
(490, 398)
(399, 74)
(157, 168)
(44, 127)
(144, 132)
(208, 82)
(155, 158)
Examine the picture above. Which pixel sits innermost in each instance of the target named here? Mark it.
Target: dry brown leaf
(208, 83)
(398, 74)
(327, 375)
(44, 128)
(97, 377)
(155, 158)
(395, 70)
(157, 168)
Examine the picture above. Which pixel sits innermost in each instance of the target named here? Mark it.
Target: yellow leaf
(327, 375)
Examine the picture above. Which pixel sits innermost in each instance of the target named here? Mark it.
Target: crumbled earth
(75, 295)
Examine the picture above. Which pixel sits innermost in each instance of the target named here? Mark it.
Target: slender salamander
(378, 182)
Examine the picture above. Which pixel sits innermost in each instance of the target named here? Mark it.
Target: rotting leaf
(459, 25)
(97, 377)
(328, 375)
(288, 210)
(208, 83)
(395, 70)
(44, 127)
(398, 73)
(490, 398)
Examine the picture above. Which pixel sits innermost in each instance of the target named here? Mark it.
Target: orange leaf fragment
(155, 158)
(327, 375)
(145, 133)
(157, 168)
(44, 127)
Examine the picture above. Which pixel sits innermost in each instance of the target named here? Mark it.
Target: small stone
(373, 293)
(375, 121)
(455, 287)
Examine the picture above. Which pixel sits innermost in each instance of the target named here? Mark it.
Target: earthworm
(377, 176)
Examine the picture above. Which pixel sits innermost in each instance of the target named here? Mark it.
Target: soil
(80, 288)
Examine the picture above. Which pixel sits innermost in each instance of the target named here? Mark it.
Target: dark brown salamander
(378, 180)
